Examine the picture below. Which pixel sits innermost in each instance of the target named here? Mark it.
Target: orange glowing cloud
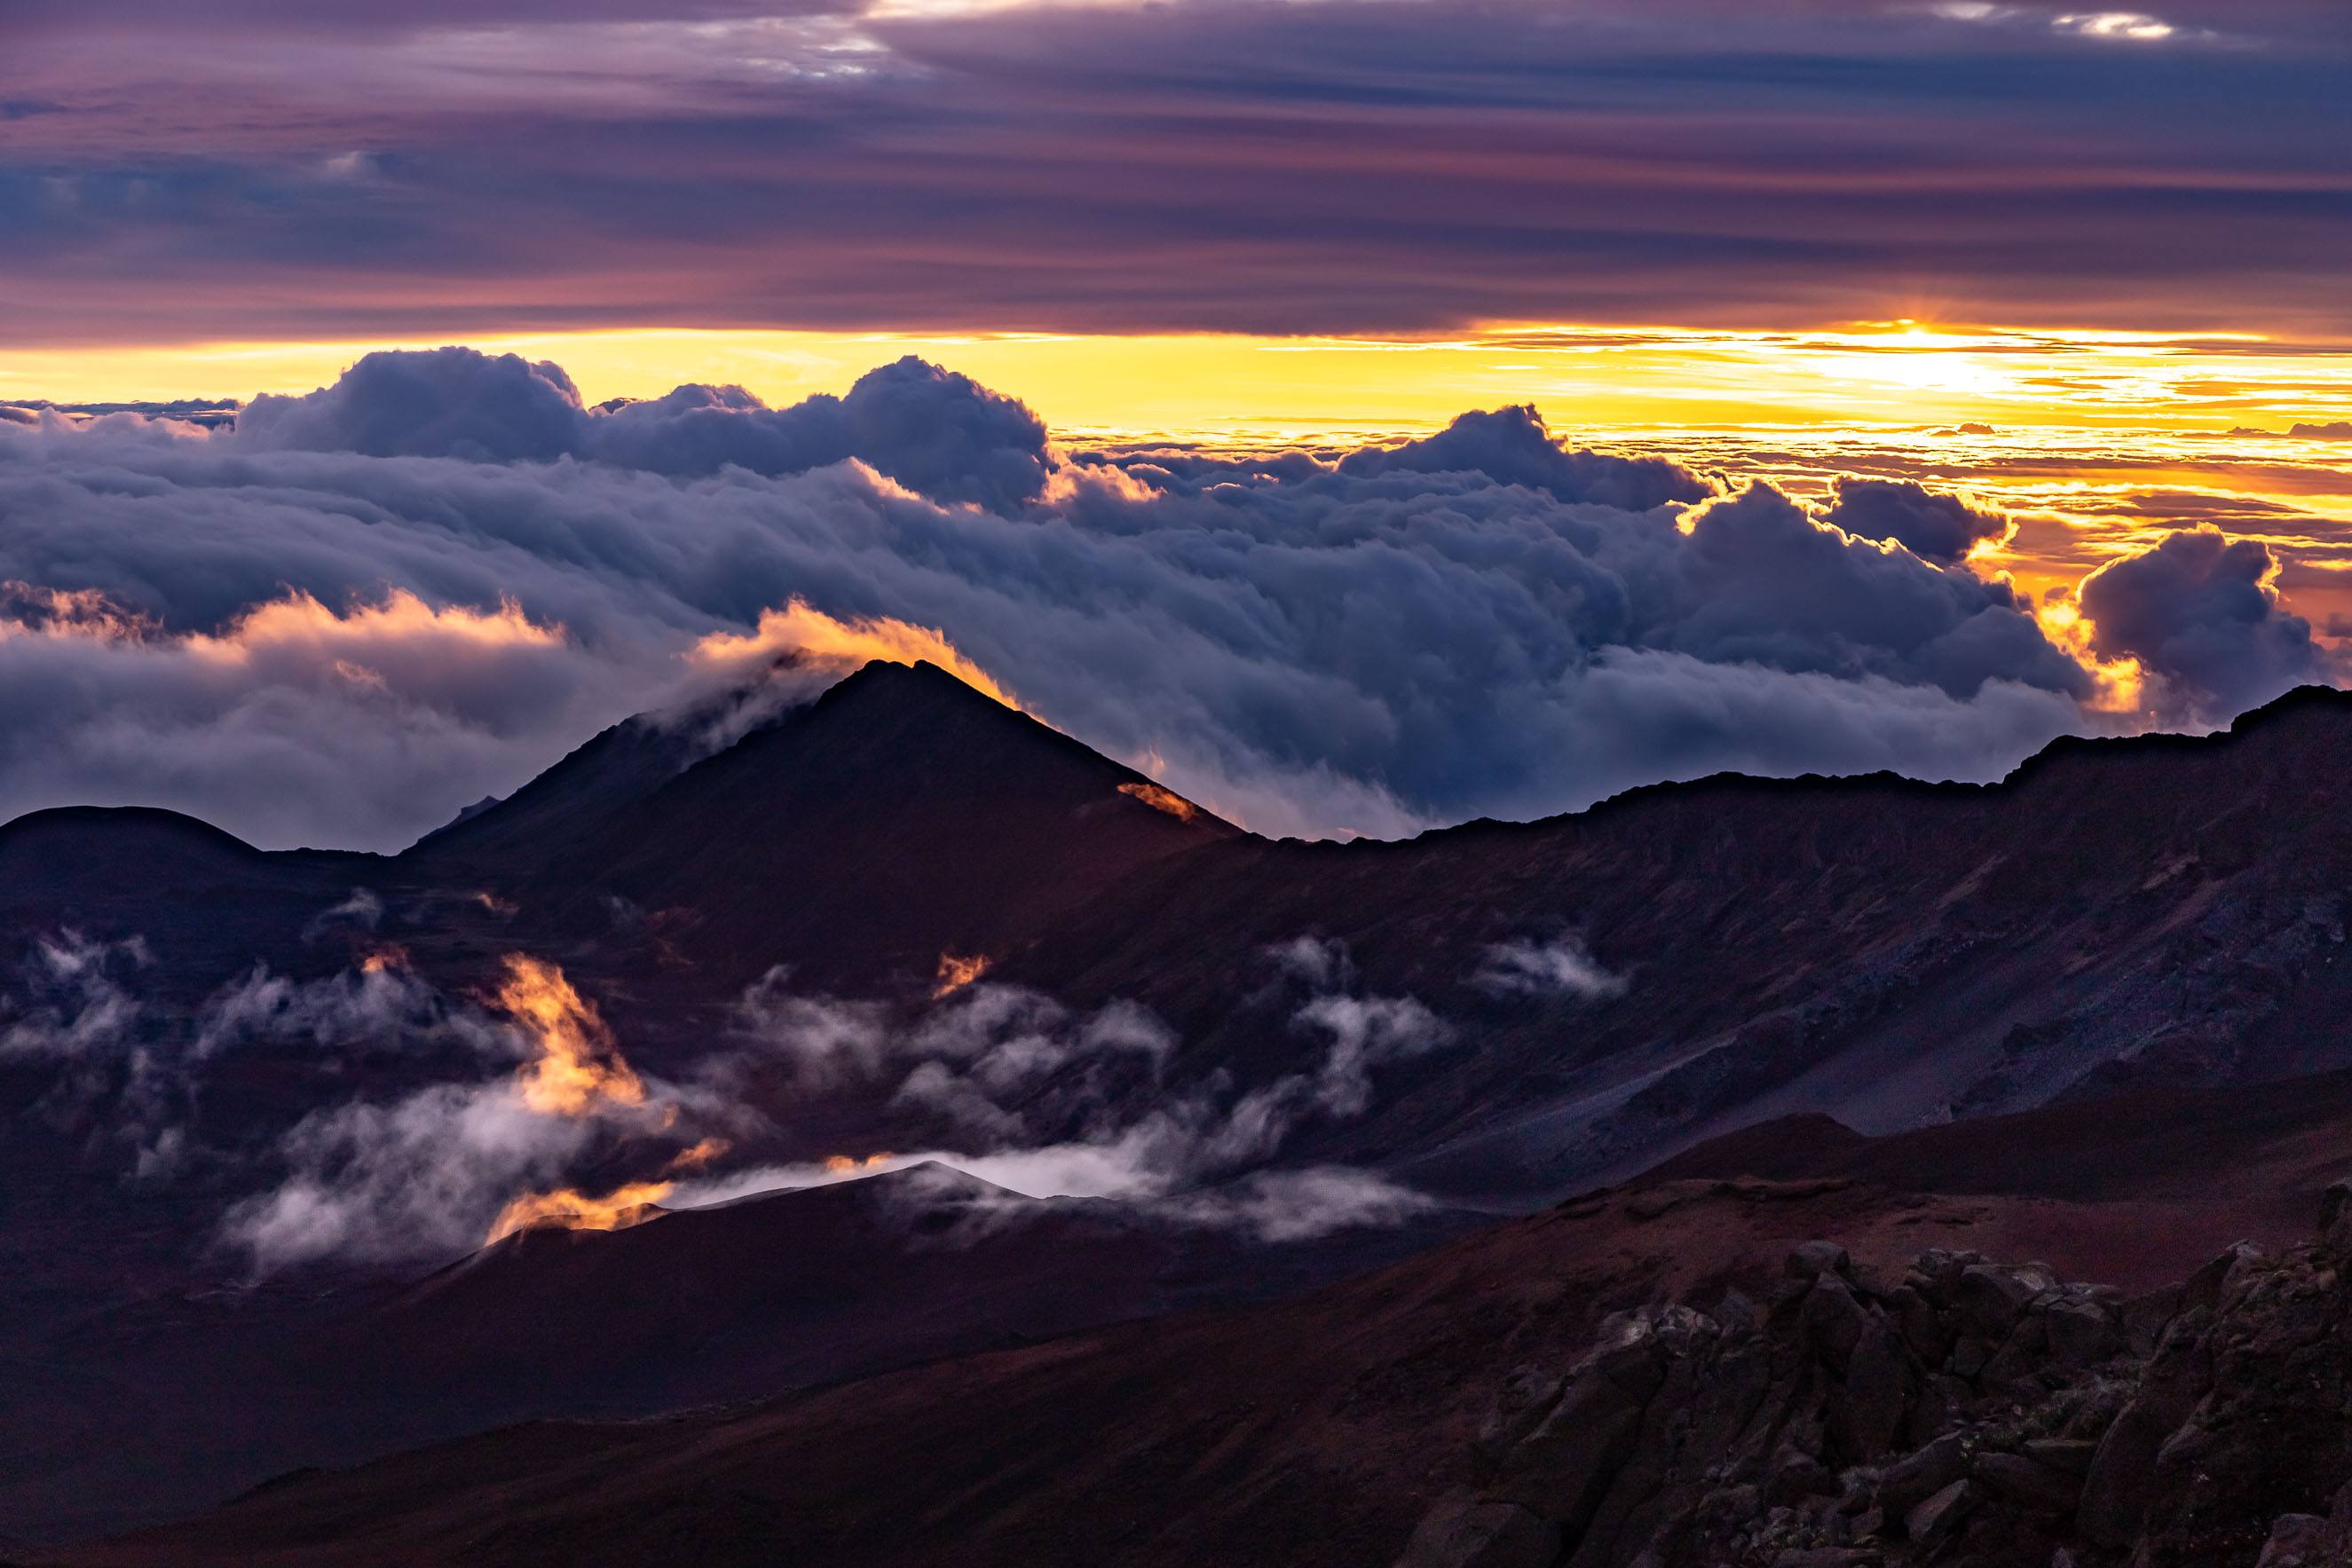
(1162, 799)
(842, 1165)
(802, 631)
(956, 973)
(299, 623)
(580, 1068)
(568, 1209)
(701, 1154)
(69, 612)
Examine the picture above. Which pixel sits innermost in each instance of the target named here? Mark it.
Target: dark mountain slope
(2279, 1143)
(517, 838)
(2155, 910)
(797, 1287)
(900, 816)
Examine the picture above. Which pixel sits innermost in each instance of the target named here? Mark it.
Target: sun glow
(1224, 386)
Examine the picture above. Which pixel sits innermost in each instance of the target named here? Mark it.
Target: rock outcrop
(1969, 1413)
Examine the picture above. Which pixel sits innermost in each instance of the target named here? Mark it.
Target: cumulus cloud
(307, 642)
(1514, 446)
(929, 428)
(432, 403)
(2200, 613)
(1932, 525)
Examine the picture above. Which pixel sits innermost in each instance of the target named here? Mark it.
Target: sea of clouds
(353, 613)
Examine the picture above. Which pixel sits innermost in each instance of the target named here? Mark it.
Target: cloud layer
(365, 609)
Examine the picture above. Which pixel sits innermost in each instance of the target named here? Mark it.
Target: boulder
(1811, 1260)
(2032, 1485)
(1939, 1518)
(1474, 1532)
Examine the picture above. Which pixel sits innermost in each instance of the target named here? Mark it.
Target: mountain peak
(900, 816)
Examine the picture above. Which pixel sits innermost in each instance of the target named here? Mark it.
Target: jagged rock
(1939, 1517)
(1469, 1533)
(1527, 1397)
(2079, 1332)
(1987, 1300)
(2205, 1427)
(1834, 1320)
(1971, 1356)
(2072, 1455)
(2145, 1319)
(2302, 1541)
(1923, 1332)
(1811, 1260)
(1878, 1384)
(1912, 1481)
(1563, 1469)
(2336, 1217)
(2037, 1487)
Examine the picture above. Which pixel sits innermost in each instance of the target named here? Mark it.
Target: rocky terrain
(1964, 1411)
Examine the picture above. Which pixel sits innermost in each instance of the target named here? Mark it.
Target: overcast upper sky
(277, 170)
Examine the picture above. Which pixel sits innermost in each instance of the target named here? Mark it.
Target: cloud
(1300, 1205)
(1934, 526)
(378, 1006)
(73, 1008)
(1513, 446)
(930, 429)
(2198, 611)
(1561, 966)
(923, 166)
(432, 403)
(997, 1060)
(426, 1174)
(1004, 1073)
(336, 648)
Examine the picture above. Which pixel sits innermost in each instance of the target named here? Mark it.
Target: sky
(1814, 177)
(1848, 383)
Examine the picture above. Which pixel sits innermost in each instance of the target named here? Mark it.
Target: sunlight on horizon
(1278, 390)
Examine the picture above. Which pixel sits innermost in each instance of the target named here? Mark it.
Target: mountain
(900, 816)
(2091, 1014)
(2147, 911)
